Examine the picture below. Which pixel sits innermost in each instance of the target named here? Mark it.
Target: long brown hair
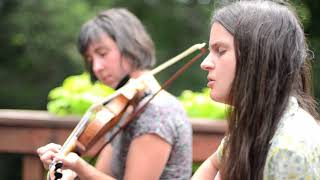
(271, 65)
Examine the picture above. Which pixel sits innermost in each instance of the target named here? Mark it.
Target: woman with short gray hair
(158, 143)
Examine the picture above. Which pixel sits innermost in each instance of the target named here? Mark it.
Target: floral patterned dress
(294, 152)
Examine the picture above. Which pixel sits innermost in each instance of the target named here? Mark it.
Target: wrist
(82, 168)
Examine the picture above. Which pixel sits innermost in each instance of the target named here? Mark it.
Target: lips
(210, 82)
(107, 79)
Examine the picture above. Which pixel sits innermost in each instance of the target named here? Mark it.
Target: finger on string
(69, 160)
(47, 158)
(49, 147)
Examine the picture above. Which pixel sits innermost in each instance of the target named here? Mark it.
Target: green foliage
(38, 47)
(38, 41)
(200, 105)
(76, 95)
(195, 166)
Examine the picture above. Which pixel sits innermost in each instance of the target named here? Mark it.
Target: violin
(107, 115)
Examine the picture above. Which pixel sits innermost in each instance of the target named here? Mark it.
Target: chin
(112, 85)
(217, 98)
(213, 96)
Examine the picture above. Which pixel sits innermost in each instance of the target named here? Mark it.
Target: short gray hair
(126, 30)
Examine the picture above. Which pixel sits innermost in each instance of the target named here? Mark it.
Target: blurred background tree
(38, 41)
(38, 44)
(38, 48)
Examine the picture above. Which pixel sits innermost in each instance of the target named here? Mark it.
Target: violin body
(101, 118)
(106, 118)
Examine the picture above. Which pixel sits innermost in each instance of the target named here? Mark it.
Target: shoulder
(165, 99)
(297, 131)
(165, 105)
(163, 116)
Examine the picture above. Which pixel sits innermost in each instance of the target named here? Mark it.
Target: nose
(207, 63)
(97, 64)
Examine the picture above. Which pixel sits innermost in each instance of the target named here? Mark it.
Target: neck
(134, 75)
(137, 73)
(148, 79)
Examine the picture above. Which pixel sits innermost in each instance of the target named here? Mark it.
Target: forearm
(207, 170)
(88, 172)
(103, 162)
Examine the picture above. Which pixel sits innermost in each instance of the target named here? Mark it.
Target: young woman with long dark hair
(259, 64)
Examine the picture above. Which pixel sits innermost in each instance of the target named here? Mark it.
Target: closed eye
(221, 51)
(102, 51)
(219, 48)
(103, 54)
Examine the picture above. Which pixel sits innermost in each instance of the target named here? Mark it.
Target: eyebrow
(103, 48)
(218, 43)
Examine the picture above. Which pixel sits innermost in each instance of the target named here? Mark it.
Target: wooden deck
(23, 131)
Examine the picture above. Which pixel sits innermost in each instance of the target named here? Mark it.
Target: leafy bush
(200, 105)
(76, 95)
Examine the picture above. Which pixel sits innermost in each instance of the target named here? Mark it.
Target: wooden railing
(23, 131)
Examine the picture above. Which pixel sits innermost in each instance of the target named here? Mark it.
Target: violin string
(177, 58)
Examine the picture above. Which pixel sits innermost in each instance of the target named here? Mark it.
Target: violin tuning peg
(58, 165)
(57, 175)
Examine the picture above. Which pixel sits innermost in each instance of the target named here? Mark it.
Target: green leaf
(200, 105)
(76, 95)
